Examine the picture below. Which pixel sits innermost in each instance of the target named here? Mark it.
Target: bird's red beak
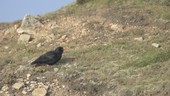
(66, 49)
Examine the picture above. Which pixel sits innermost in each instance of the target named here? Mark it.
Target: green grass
(159, 9)
(150, 58)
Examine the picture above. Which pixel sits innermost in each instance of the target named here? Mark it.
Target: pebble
(28, 76)
(139, 39)
(33, 82)
(38, 78)
(56, 69)
(27, 82)
(6, 47)
(24, 92)
(39, 45)
(18, 85)
(156, 45)
(4, 88)
(33, 86)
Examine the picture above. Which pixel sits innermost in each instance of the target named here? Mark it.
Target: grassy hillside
(159, 8)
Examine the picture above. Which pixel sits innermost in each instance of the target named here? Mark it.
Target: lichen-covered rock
(18, 85)
(30, 21)
(24, 38)
(39, 92)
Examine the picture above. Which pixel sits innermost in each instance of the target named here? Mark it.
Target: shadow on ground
(66, 60)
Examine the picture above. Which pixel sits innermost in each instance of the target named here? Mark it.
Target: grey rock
(32, 86)
(27, 82)
(28, 76)
(56, 69)
(156, 45)
(18, 85)
(30, 21)
(38, 78)
(139, 39)
(63, 38)
(4, 88)
(43, 86)
(24, 92)
(39, 45)
(28, 89)
(116, 27)
(33, 82)
(6, 47)
(39, 92)
(24, 38)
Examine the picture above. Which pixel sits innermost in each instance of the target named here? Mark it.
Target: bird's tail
(33, 63)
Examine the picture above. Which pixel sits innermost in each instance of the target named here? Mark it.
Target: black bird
(50, 57)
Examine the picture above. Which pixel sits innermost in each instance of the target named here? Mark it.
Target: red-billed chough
(50, 57)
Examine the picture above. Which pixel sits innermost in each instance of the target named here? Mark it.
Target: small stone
(39, 92)
(6, 47)
(24, 38)
(16, 26)
(20, 79)
(39, 45)
(24, 92)
(40, 83)
(32, 86)
(29, 90)
(139, 39)
(84, 32)
(4, 88)
(27, 82)
(18, 85)
(33, 82)
(116, 27)
(56, 69)
(1, 92)
(38, 78)
(156, 45)
(63, 38)
(28, 76)
(63, 86)
(43, 77)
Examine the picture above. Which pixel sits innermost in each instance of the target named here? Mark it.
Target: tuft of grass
(150, 58)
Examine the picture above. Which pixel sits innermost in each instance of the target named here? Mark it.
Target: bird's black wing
(45, 58)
